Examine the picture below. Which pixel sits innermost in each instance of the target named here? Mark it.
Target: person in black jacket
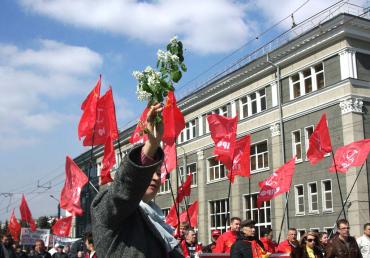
(6, 247)
(308, 247)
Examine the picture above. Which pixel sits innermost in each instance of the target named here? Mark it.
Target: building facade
(278, 96)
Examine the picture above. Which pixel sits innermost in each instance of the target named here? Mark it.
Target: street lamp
(52, 196)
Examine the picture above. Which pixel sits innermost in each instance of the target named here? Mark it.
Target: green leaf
(158, 63)
(176, 76)
(181, 58)
(183, 67)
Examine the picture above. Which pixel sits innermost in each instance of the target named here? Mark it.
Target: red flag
(351, 155)
(70, 195)
(171, 218)
(87, 120)
(108, 161)
(173, 120)
(106, 123)
(62, 227)
(184, 190)
(193, 214)
(279, 182)
(14, 227)
(26, 215)
(223, 133)
(319, 143)
(139, 136)
(241, 160)
(170, 161)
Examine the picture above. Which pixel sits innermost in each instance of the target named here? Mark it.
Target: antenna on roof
(293, 22)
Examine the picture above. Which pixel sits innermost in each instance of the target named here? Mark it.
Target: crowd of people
(11, 249)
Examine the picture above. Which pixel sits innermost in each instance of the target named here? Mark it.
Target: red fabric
(62, 227)
(14, 227)
(284, 247)
(108, 161)
(171, 218)
(106, 123)
(173, 120)
(198, 248)
(350, 155)
(269, 245)
(223, 133)
(70, 195)
(87, 120)
(170, 160)
(26, 215)
(279, 182)
(241, 160)
(224, 242)
(319, 143)
(139, 136)
(257, 250)
(185, 189)
(193, 214)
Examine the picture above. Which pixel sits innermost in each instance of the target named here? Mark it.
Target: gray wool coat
(120, 227)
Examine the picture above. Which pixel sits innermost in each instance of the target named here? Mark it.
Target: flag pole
(345, 202)
(227, 217)
(340, 189)
(186, 203)
(118, 141)
(285, 211)
(173, 199)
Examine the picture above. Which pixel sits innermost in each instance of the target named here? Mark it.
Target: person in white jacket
(364, 242)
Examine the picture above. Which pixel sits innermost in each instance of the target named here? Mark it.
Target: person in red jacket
(266, 239)
(290, 243)
(189, 245)
(227, 239)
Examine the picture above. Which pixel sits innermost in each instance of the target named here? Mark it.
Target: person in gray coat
(125, 220)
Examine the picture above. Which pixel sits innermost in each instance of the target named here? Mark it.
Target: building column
(357, 207)
(203, 207)
(348, 66)
(200, 123)
(278, 203)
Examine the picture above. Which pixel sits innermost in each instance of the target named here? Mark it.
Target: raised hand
(154, 131)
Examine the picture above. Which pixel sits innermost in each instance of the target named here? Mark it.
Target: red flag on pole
(139, 136)
(173, 120)
(171, 218)
(106, 123)
(62, 227)
(87, 120)
(108, 161)
(223, 133)
(14, 227)
(185, 189)
(351, 155)
(170, 160)
(193, 214)
(26, 215)
(70, 195)
(279, 182)
(319, 143)
(241, 160)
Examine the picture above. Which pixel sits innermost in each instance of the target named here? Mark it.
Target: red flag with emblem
(185, 189)
(75, 181)
(279, 182)
(193, 214)
(173, 120)
(350, 155)
(138, 135)
(223, 133)
(87, 120)
(62, 227)
(106, 123)
(14, 227)
(319, 143)
(108, 161)
(241, 160)
(26, 215)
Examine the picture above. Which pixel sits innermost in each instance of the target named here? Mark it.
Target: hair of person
(265, 231)
(321, 234)
(40, 241)
(342, 221)
(188, 231)
(234, 218)
(309, 233)
(292, 229)
(367, 224)
(185, 224)
(247, 223)
(89, 238)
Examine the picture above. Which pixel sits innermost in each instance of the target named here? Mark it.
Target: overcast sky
(52, 52)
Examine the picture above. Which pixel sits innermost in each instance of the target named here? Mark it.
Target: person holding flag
(125, 220)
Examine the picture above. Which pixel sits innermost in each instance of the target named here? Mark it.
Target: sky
(52, 52)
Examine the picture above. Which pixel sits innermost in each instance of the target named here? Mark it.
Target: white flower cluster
(149, 78)
(166, 56)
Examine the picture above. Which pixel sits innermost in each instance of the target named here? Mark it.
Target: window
(261, 216)
(319, 75)
(297, 145)
(253, 103)
(307, 80)
(300, 233)
(327, 195)
(218, 213)
(216, 170)
(307, 134)
(329, 230)
(191, 169)
(244, 107)
(165, 187)
(259, 156)
(165, 211)
(317, 230)
(262, 99)
(313, 199)
(299, 199)
(223, 111)
(189, 132)
(295, 82)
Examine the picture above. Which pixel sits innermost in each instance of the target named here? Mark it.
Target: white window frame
(310, 198)
(312, 71)
(307, 138)
(223, 112)
(221, 227)
(296, 201)
(299, 230)
(165, 187)
(328, 229)
(241, 106)
(165, 211)
(315, 73)
(323, 195)
(294, 145)
(260, 154)
(313, 230)
(219, 165)
(194, 180)
(259, 100)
